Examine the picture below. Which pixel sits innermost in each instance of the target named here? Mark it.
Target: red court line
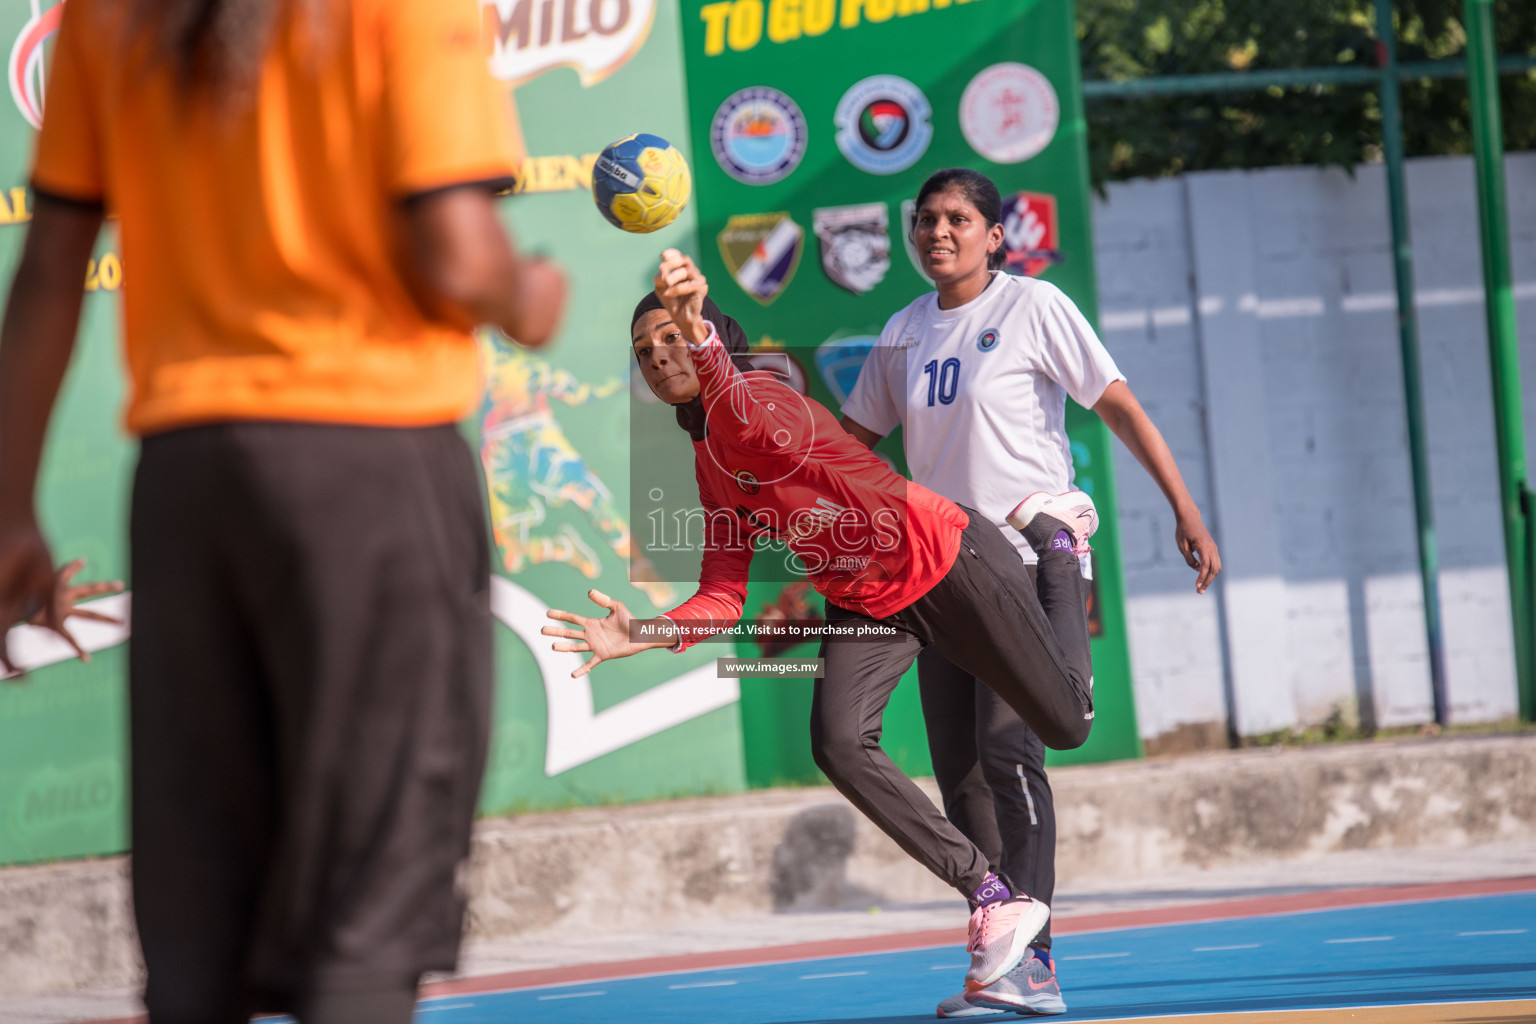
(1225, 910)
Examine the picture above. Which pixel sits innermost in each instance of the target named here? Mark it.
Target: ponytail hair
(980, 191)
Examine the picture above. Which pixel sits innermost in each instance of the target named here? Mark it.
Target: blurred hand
(543, 290)
(1198, 548)
(31, 590)
(26, 581)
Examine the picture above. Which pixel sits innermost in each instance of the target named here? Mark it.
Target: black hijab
(690, 415)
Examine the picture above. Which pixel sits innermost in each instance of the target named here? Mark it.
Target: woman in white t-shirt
(977, 373)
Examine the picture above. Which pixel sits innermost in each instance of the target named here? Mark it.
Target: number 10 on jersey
(943, 380)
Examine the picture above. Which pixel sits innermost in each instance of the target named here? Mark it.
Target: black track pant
(990, 768)
(1028, 641)
(310, 686)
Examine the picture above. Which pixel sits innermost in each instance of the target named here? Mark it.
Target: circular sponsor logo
(1009, 113)
(746, 481)
(986, 341)
(882, 124)
(758, 135)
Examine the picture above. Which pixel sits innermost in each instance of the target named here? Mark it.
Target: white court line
(450, 1006)
(834, 974)
(1094, 956)
(1496, 931)
(1216, 949)
(1365, 938)
(704, 984)
(574, 995)
(947, 967)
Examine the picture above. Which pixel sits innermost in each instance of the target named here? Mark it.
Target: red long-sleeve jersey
(773, 462)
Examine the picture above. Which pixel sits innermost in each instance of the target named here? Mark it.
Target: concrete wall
(1254, 315)
(68, 926)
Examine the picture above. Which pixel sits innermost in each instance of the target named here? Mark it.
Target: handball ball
(641, 183)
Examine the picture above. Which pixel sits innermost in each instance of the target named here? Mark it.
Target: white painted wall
(1254, 315)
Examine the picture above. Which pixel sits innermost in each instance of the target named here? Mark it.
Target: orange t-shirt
(262, 248)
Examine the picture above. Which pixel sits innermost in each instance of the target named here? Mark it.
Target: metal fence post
(1408, 341)
(1503, 343)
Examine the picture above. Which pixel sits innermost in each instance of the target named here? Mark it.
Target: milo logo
(596, 37)
(54, 798)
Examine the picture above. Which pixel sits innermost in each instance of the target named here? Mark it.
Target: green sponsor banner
(554, 434)
(551, 431)
(813, 122)
(562, 433)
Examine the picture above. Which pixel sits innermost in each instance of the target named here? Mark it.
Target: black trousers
(1027, 640)
(990, 768)
(310, 687)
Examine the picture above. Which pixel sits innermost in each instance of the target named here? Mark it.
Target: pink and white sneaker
(1000, 934)
(1074, 510)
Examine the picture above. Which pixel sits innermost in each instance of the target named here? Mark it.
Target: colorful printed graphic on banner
(882, 124)
(855, 244)
(1009, 113)
(1031, 233)
(758, 135)
(595, 37)
(762, 250)
(25, 71)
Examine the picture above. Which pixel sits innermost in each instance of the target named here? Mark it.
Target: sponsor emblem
(25, 71)
(841, 360)
(783, 366)
(882, 124)
(762, 251)
(1009, 113)
(758, 135)
(855, 244)
(908, 226)
(1030, 233)
(594, 37)
(746, 481)
(986, 341)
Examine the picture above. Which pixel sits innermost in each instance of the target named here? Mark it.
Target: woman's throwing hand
(606, 638)
(681, 288)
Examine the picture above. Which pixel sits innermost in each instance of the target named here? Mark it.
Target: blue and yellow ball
(641, 183)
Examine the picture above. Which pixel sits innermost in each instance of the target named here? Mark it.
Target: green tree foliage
(1314, 124)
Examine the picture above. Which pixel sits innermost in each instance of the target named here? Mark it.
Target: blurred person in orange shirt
(304, 190)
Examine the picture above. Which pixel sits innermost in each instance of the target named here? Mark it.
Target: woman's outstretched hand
(681, 288)
(606, 638)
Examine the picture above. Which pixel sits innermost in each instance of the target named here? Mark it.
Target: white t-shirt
(981, 391)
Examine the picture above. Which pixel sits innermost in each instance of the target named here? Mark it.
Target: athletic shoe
(1029, 988)
(1073, 511)
(958, 1006)
(1000, 934)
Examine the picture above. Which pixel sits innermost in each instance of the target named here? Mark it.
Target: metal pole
(1291, 78)
(1503, 343)
(1408, 340)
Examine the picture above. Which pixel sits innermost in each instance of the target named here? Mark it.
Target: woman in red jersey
(899, 565)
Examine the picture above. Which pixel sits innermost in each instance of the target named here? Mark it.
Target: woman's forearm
(36, 341)
(1124, 416)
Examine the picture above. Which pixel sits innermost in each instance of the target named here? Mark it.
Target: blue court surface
(1398, 955)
